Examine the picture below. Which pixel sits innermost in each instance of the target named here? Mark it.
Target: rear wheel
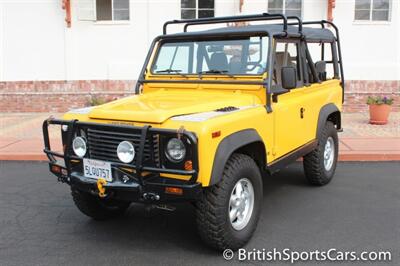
(97, 208)
(320, 164)
(228, 212)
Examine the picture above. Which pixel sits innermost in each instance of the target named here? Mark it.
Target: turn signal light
(188, 165)
(174, 190)
(56, 169)
(216, 134)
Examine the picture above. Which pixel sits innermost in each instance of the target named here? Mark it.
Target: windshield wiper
(215, 71)
(169, 70)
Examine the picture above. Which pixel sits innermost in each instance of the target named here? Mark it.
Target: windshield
(245, 56)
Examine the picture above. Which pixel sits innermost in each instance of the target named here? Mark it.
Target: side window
(321, 56)
(287, 7)
(191, 9)
(103, 10)
(372, 10)
(172, 58)
(112, 10)
(286, 54)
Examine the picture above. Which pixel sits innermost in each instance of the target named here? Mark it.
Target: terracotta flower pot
(379, 113)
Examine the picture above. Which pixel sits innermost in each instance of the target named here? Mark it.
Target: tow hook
(151, 196)
(100, 186)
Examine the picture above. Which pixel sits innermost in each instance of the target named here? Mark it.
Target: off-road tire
(313, 162)
(213, 221)
(97, 208)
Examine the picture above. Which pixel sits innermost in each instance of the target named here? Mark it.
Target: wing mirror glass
(289, 77)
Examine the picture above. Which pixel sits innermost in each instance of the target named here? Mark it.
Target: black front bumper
(134, 183)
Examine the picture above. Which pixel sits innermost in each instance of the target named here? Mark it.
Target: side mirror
(289, 77)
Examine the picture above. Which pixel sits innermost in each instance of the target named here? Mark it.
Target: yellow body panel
(290, 130)
(282, 130)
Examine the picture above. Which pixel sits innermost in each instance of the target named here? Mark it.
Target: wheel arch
(247, 142)
(329, 112)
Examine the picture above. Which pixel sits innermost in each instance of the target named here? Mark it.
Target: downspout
(331, 6)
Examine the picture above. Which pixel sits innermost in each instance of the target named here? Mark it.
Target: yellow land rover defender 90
(214, 111)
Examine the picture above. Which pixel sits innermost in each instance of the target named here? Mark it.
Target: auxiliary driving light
(175, 150)
(126, 152)
(79, 146)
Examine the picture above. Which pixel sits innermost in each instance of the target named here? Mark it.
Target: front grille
(102, 145)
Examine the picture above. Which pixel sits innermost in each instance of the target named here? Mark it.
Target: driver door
(288, 109)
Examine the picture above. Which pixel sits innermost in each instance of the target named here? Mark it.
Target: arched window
(197, 9)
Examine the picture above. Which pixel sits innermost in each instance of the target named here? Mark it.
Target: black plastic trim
(324, 113)
(285, 160)
(227, 147)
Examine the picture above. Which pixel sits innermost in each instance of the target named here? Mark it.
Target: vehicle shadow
(141, 229)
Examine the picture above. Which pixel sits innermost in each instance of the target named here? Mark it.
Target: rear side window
(322, 56)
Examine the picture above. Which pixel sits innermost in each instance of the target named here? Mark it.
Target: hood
(158, 106)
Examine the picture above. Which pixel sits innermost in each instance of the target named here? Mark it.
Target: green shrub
(96, 100)
(379, 100)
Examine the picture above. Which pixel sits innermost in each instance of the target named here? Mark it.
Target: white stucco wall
(371, 50)
(35, 43)
(32, 40)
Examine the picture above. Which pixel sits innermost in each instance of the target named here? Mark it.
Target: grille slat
(103, 145)
(112, 133)
(113, 137)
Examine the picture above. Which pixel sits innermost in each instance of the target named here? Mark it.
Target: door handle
(302, 110)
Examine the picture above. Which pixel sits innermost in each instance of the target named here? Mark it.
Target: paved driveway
(39, 225)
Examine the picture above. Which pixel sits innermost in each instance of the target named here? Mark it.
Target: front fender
(227, 147)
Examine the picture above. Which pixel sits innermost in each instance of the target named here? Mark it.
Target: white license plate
(97, 169)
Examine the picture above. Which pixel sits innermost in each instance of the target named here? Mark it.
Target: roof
(310, 34)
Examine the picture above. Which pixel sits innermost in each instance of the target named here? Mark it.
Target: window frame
(371, 9)
(284, 7)
(196, 9)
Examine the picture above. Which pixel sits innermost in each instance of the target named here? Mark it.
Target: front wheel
(228, 212)
(320, 164)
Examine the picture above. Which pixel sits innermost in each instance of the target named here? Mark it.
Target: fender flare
(324, 113)
(227, 147)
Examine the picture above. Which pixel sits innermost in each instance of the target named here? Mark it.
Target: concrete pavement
(21, 137)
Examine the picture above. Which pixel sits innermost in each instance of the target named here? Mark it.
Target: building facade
(58, 54)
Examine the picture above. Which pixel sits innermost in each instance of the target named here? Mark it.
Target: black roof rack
(283, 26)
(216, 20)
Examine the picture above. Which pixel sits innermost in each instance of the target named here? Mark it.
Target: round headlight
(79, 146)
(175, 150)
(126, 152)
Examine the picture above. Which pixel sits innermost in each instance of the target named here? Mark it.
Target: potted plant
(379, 109)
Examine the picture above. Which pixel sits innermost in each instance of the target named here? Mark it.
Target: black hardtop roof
(309, 34)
